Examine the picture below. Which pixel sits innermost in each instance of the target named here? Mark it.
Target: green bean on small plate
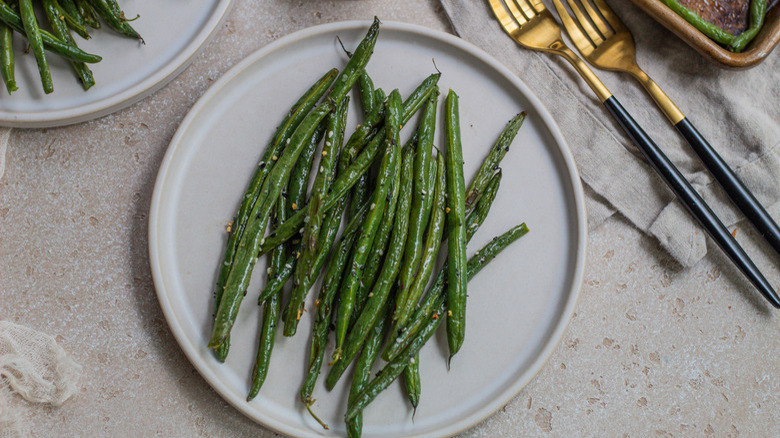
(119, 69)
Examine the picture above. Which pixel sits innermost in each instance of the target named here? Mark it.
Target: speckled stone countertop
(652, 350)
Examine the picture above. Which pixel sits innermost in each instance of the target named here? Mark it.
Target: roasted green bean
(283, 133)
(757, 15)
(50, 42)
(394, 368)
(456, 227)
(324, 304)
(248, 245)
(72, 23)
(432, 242)
(250, 242)
(367, 95)
(412, 381)
(356, 64)
(299, 177)
(491, 162)
(420, 205)
(60, 29)
(365, 132)
(372, 311)
(734, 43)
(402, 336)
(379, 247)
(72, 10)
(309, 263)
(361, 191)
(88, 14)
(389, 169)
(271, 310)
(346, 179)
(116, 21)
(357, 141)
(272, 307)
(325, 175)
(481, 193)
(294, 198)
(30, 24)
(714, 32)
(7, 58)
(362, 373)
(279, 279)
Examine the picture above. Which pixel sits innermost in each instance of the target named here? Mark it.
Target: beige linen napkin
(737, 111)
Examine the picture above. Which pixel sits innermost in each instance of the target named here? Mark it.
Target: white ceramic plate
(519, 304)
(174, 32)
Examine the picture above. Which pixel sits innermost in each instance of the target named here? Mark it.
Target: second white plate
(174, 33)
(518, 305)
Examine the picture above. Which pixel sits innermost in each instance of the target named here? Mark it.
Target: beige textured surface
(652, 350)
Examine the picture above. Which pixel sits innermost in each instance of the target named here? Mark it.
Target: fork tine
(610, 16)
(585, 23)
(538, 5)
(526, 7)
(503, 17)
(580, 39)
(514, 11)
(596, 19)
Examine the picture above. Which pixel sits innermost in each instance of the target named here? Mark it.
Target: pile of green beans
(63, 17)
(401, 202)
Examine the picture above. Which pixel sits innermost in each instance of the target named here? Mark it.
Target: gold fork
(608, 44)
(531, 25)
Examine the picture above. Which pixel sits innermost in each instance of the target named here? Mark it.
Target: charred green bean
(491, 162)
(402, 336)
(53, 13)
(283, 133)
(362, 374)
(420, 205)
(372, 311)
(30, 24)
(249, 244)
(432, 242)
(456, 227)
(396, 366)
(324, 304)
(388, 171)
(309, 263)
(412, 381)
(50, 42)
(116, 21)
(7, 58)
(379, 247)
(347, 179)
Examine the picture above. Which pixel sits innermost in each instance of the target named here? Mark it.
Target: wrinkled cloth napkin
(35, 368)
(737, 111)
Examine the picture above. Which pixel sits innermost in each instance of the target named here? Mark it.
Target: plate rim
(511, 391)
(116, 102)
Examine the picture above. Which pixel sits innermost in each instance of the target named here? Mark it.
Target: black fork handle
(691, 200)
(732, 185)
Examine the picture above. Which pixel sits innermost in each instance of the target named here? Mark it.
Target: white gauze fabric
(32, 368)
